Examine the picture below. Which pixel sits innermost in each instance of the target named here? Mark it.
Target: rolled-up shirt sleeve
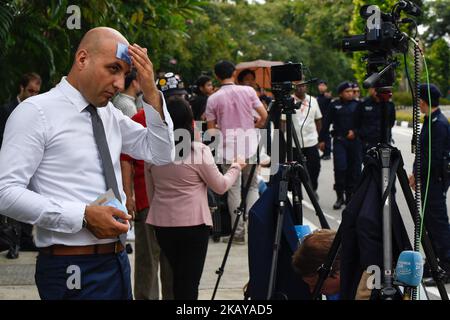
(210, 111)
(20, 155)
(154, 144)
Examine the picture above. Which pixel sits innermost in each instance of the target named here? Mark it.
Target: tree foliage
(437, 17)
(190, 36)
(34, 35)
(438, 57)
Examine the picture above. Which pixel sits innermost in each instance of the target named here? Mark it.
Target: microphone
(409, 269)
(371, 80)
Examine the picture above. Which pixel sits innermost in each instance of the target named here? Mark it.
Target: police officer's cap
(322, 81)
(435, 94)
(171, 84)
(343, 86)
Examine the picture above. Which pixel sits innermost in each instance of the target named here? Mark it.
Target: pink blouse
(177, 192)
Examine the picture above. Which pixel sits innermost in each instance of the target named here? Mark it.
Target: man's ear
(81, 59)
(136, 83)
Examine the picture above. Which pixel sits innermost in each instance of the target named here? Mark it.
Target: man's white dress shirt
(50, 167)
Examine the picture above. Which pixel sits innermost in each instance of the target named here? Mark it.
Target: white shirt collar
(74, 96)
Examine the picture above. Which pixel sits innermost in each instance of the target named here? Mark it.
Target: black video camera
(383, 38)
(282, 82)
(283, 76)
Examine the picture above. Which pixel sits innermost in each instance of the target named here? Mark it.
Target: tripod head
(284, 103)
(283, 79)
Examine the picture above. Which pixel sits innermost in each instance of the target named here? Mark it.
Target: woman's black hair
(181, 114)
(201, 81)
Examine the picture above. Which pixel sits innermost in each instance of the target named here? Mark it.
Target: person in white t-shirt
(307, 123)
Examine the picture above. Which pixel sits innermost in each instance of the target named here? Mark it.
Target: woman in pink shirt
(179, 209)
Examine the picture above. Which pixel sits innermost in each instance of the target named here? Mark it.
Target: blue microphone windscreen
(409, 270)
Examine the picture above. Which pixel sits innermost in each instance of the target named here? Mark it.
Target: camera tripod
(292, 176)
(391, 163)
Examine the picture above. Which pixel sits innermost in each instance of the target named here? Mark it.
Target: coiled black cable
(417, 169)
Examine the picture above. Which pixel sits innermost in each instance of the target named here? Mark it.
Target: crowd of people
(110, 125)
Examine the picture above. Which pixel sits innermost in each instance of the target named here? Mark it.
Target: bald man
(61, 151)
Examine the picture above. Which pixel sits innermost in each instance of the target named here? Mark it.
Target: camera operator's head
(225, 71)
(375, 93)
(310, 256)
(345, 91)
(300, 90)
(380, 94)
(435, 94)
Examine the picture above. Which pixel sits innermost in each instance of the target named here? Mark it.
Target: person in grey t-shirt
(125, 101)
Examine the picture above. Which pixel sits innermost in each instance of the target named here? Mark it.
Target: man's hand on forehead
(145, 76)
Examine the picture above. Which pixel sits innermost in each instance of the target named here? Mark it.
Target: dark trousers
(185, 248)
(436, 219)
(148, 257)
(99, 277)
(312, 164)
(347, 164)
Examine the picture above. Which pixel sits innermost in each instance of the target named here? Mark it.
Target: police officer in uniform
(356, 92)
(370, 119)
(346, 145)
(436, 217)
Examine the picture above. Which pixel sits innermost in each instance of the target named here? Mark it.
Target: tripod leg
(426, 243)
(281, 210)
(220, 271)
(303, 176)
(297, 202)
(388, 291)
(239, 212)
(276, 248)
